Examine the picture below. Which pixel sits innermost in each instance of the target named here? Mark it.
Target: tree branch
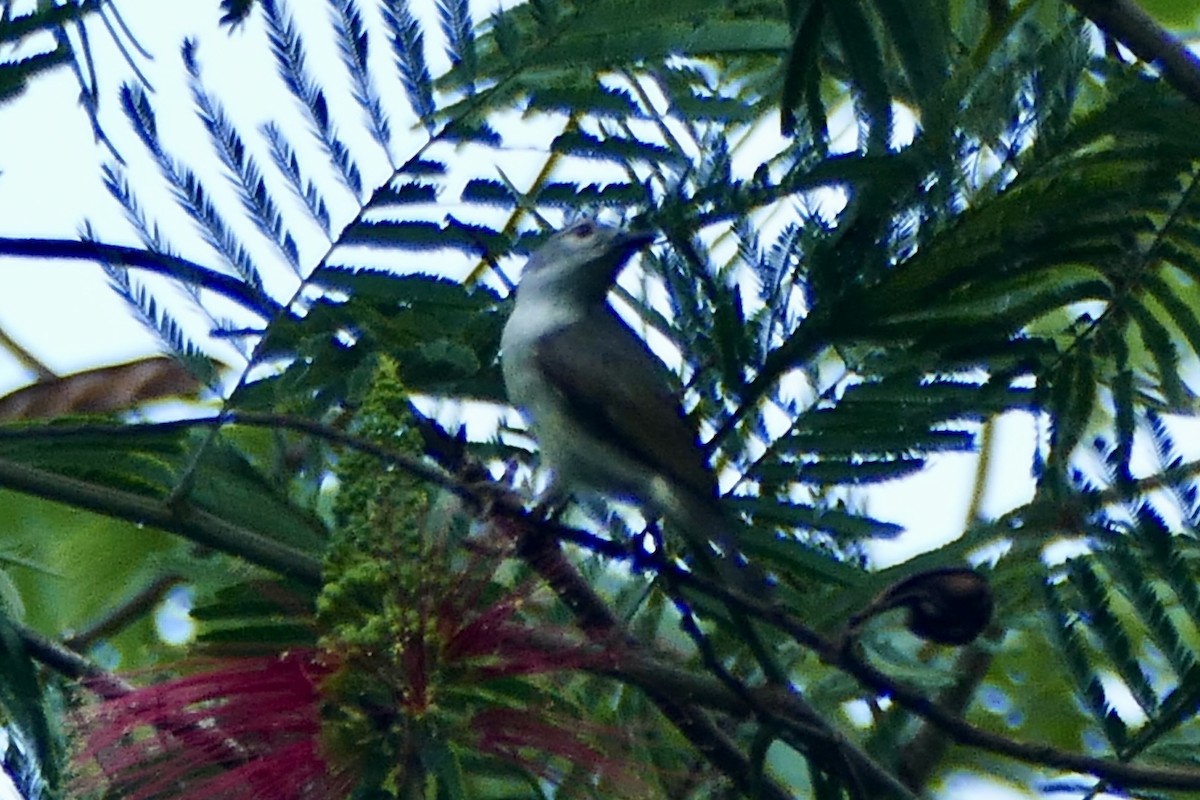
(539, 546)
(72, 665)
(773, 705)
(543, 553)
(198, 526)
(963, 732)
(921, 755)
(1125, 21)
(161, 263)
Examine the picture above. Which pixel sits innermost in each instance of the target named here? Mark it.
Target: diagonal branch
(961, 731)
(192, 523)
(72, 665)
(135, 258)
(1129, 24)
(540, 548)
(124, 614)
(543, 553)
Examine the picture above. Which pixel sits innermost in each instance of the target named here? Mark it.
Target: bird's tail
(711, 534)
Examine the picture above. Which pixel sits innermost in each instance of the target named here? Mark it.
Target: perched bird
(600, 402)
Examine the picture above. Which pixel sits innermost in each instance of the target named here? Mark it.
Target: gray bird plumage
(597, 399)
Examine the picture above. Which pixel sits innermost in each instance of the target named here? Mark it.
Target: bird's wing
(637, 410)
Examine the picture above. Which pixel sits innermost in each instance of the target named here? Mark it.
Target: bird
(600, 403)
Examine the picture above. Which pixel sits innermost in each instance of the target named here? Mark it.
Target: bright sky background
(50, 183)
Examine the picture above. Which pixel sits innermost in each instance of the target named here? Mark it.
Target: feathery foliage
(886, 230)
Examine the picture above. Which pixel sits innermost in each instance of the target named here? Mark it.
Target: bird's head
(581, 261)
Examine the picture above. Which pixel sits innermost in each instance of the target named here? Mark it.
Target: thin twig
(926, 749)
(27, 359)
(124, 614)
(540, 549)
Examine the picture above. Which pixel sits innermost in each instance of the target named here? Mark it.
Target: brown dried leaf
(96, 391)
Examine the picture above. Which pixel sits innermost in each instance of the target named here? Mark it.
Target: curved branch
(126, 613)
(1125, 21)
(675, 693)
(192, 523)
(542, 551)
(961, 731)
(134, 258)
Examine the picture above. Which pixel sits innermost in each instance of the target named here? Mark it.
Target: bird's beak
(631, 241)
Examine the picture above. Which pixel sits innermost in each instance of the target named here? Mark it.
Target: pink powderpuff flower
(241, 729)
(301, 725)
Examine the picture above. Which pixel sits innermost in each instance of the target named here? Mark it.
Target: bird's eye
(583, 230)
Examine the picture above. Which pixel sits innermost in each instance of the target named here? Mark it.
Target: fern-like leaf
(1115, 641)
(288, 49)
(1066, 630)
(354, 45)
(286, 161)
(160, 323)
(408, 47)
(459, 30)
(241, 168)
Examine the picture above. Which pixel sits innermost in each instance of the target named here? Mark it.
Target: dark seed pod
(951, 605)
